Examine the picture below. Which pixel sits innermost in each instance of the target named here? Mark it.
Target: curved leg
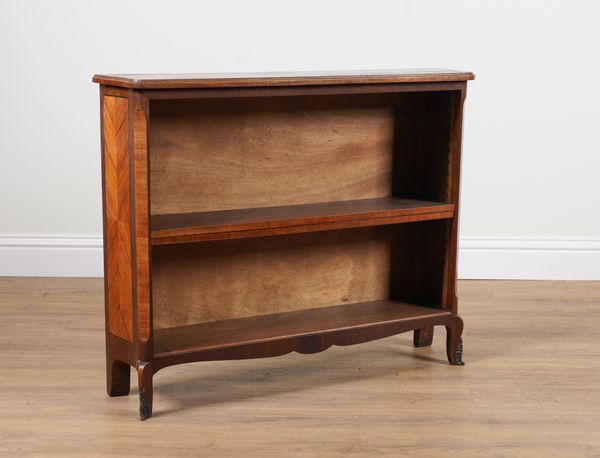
(423, 337)
(145, 383)
(117, 377)
(454, 345)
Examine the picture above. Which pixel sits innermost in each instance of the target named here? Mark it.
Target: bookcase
(252, 215)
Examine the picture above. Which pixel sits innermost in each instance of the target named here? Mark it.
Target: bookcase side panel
(453, 196)
(141, 215)
(422, 170)
(417, 262)
(117, 205)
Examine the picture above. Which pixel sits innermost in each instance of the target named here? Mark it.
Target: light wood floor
(531, 386)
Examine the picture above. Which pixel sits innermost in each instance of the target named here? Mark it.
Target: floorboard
(530, 386)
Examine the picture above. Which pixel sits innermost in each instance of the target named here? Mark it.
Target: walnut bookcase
(250, 215)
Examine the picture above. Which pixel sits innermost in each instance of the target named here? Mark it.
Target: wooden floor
(530, 387)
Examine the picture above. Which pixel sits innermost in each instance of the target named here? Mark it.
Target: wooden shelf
(255, 222)
(220, 335)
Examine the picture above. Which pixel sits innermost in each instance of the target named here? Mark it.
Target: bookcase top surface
(268, 79)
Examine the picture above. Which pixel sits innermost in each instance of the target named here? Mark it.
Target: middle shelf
(292, 219)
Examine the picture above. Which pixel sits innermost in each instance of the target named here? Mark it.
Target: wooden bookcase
(250, 215)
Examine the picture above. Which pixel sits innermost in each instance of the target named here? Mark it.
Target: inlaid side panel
(241, 278)
(117, 216)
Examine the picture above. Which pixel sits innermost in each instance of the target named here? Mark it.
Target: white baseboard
(529, 259)
(43, 255)
(73, 255)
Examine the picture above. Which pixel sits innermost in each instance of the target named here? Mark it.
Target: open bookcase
(249, 215)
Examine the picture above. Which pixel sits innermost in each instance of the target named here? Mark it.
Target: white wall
(531, 196)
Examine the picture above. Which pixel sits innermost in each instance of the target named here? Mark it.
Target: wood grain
(216, 80)
(422, 145)
(453, 195)
(241, 278)
(117, 207)
(142, 219)
(299, 91)
(209, 225)
(529, 389)
(246, 153)
(301, 229)
(281, 326)
(417, 263)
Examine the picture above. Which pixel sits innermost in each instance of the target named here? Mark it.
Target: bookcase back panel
(220, 154)
(233, 279)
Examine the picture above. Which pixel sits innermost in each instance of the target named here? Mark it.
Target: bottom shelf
(219, 335)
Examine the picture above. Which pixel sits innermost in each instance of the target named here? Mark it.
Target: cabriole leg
(145, 383)
(423, 337)
(454, 344)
